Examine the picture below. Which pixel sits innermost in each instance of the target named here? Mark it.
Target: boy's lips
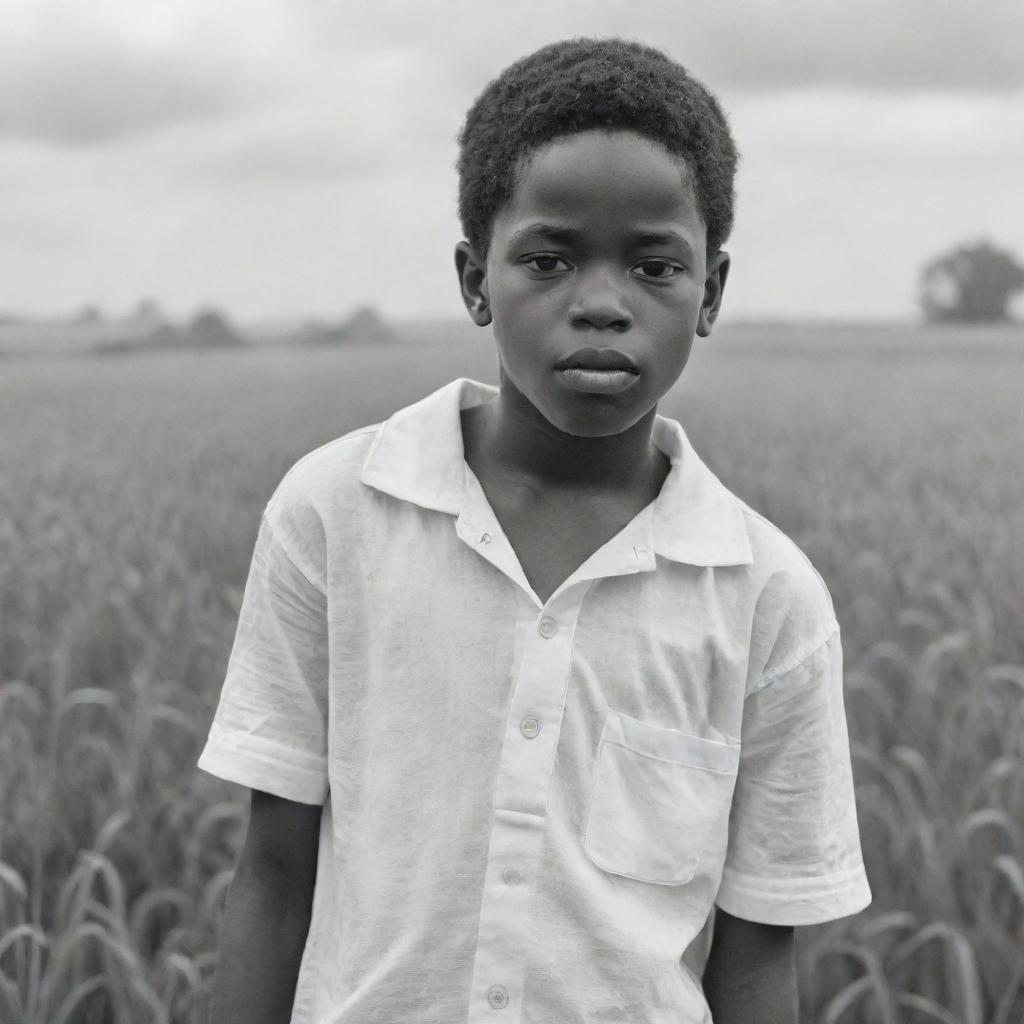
(593, 371)
(597, 382)
(598, 359)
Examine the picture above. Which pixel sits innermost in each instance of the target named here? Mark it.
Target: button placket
(520, 800)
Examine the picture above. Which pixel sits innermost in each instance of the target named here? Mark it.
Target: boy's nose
(599, 302)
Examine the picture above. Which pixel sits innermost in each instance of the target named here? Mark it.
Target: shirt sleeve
(270, 728)
(794, 854)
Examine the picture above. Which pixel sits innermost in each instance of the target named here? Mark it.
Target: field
(130, 491)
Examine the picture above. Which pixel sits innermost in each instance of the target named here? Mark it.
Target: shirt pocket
(658, 800)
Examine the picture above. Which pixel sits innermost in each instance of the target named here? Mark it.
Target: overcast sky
(296, 157)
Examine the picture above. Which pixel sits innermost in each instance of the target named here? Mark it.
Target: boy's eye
(659, 269)
(545, 263)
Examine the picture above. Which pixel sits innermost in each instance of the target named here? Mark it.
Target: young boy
(522, 692)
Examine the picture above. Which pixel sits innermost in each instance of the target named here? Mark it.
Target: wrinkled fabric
(531, 808)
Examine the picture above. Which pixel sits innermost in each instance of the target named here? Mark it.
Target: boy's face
(601, 246)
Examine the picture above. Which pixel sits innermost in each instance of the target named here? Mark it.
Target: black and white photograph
(511, 513)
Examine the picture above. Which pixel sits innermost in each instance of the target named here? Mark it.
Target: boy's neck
(517, 444)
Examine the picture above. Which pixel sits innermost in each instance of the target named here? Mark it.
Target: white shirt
(530, 808)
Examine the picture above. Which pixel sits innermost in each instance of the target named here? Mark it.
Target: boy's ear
(714, 285)
(472, 271)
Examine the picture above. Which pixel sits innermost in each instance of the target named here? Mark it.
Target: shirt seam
(767, 679)
(276, 538)
(836, 889)
(669, 760)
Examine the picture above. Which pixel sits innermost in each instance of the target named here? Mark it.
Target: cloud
(102, 94)
(912, 45)
(339, 122)
(82, 74)
(749, 44)
(855, 125)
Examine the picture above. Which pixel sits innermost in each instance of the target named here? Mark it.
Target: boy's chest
(555, 537)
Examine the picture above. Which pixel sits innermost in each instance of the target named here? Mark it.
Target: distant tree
(210, 328)
(970, 284)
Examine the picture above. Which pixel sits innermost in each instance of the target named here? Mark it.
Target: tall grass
(132, 489)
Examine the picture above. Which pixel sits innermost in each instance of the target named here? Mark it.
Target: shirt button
(497, 996)
(511, 877)
(529, 727)
(485, 538)
(548, 627)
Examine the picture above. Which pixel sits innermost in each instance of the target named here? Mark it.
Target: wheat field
(130, 491)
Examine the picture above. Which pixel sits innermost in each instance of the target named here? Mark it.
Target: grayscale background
(226, 235)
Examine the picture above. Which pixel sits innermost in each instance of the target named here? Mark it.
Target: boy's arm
(750, 977)
(268, 913)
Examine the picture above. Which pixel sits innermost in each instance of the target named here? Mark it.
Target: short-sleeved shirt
(531, 808)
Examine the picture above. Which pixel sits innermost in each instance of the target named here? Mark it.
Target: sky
(294, 158)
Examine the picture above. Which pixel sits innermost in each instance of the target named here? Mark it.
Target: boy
(522, 692)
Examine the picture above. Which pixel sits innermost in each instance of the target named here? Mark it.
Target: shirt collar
(417, 455)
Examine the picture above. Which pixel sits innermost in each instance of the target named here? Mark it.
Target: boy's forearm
(750, 977)
(761, 998)
(261, 948)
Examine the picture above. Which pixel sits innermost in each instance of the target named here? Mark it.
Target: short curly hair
(578, 85)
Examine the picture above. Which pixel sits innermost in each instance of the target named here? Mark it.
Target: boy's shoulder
(794, 614)
(775, 553)
(326, 472)
(316, 496)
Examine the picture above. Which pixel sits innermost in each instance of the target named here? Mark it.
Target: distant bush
(365, 325)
